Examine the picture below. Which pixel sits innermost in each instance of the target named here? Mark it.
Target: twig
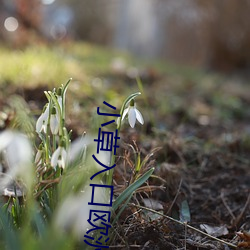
(185, 242)
(122, 246)
(239, 217)
(184, 224)
(175, 198)
(48, 185)
(227, 207)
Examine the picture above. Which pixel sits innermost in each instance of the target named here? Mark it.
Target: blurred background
(181, 50)
(212, 34)
(193, 60)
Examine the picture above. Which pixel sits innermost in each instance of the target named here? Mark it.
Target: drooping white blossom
(133, 114)
(54, 121)
(73, 214)
(42, 122)
(17, 151)
(59, 157)
(39, 155)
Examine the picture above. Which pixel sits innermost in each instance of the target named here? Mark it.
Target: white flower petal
(54, 124)
(5, 139)
(46, 113)
(55, 156)
(19, 151)
(44, 127)
(73, 213)
(69, 212)
(18, 156)
(61, 163)
(132, 117)
(124, 113)
(42, 121)
(133, 114)
(59, 158)
(39, 123)
(139, 116)
(63, 158)
(64, 154)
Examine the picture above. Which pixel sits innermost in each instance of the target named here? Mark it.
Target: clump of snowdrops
(46, 177)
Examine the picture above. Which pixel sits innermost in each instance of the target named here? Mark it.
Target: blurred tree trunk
(229, 34)
(212, 33)
(92, 20)
(28, 14)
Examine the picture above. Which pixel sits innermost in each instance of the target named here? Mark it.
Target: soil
(202, 174)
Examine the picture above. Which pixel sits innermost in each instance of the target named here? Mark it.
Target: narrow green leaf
(65, 87)
(122, 209)
(39, 222)
(138, 163)
(11, 237)
(128, 191)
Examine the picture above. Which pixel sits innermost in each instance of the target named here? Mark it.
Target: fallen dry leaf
(215, 231)
(245, 236)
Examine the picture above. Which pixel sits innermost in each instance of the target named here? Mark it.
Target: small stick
(175, 198)
(185, 246)
(122, 246)
(184, 224)
(239, 217)
(227, 207)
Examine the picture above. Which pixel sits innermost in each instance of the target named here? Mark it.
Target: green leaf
(122, 208)
(128, 191)
(65, 87)
(39, 222)
(185, 212)
(11, 237)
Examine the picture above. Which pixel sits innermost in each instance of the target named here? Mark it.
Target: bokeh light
(48, 2)
(11, 24)
(58, 31)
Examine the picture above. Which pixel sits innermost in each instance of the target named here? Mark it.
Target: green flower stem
(54, 142)
(53, 97)
(65, 87)
(47, 137)
(128, 99)
(66, 137)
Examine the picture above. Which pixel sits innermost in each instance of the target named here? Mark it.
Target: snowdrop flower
(59, 157)
(73, 214)
(17, 152)
(42, 122)
(133, 114)
(54, 121)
